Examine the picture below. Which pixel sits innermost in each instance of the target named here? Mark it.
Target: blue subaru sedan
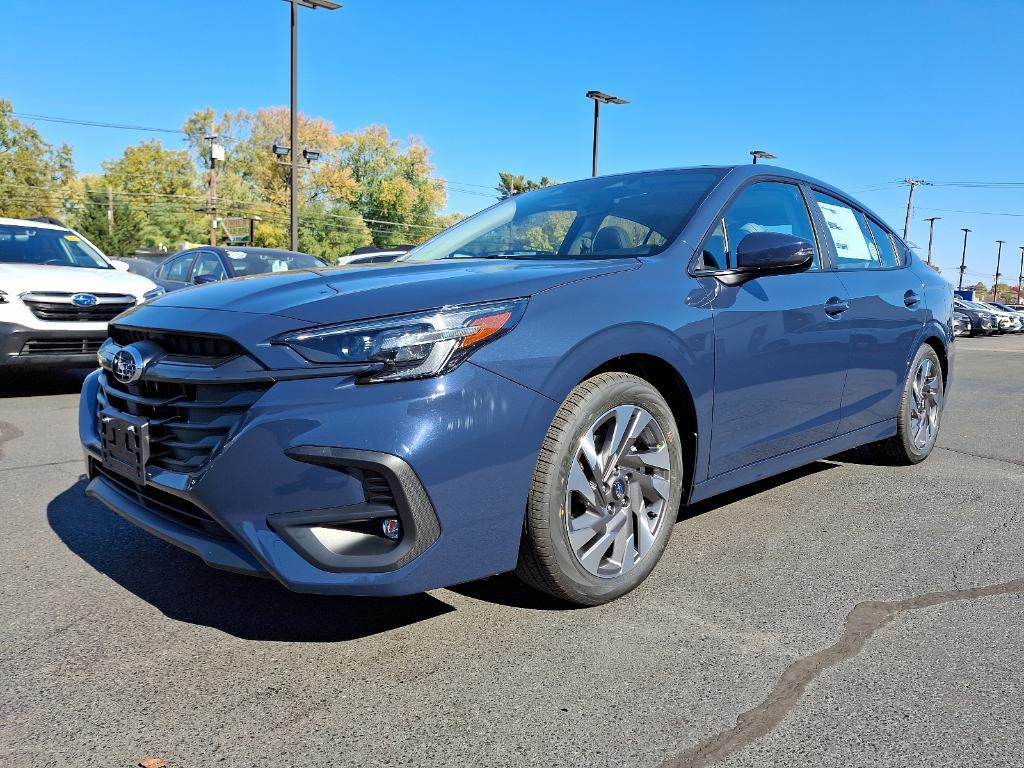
(538, 389)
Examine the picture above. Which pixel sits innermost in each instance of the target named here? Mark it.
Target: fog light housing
(391, 528)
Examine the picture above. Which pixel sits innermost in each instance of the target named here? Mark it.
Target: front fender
(569, 332)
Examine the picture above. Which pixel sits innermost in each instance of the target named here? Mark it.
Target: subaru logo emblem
(127, 365)
(84, 300)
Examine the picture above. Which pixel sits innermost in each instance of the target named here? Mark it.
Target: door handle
(835, 306)
(911, 299)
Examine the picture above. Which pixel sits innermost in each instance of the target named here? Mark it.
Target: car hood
(356, 292)
(42, 278)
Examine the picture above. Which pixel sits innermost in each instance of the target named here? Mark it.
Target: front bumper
(25, 346)
(458, 452)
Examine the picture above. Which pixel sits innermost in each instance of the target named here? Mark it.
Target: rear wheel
(917, 423)
(605, 493)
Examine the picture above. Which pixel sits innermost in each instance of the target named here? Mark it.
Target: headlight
(150, 295)
(409, 346)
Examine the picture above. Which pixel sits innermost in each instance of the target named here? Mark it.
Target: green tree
(163, 187)
(331, 232)
(35, 177)
(510, 185)
(119, 235)
(395, 189)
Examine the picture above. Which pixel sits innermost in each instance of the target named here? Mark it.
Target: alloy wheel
(925, 404)
(617, 491)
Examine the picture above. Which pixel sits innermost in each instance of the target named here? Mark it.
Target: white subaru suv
(57, 293)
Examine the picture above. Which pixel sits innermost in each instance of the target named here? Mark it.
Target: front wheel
(606, 491)
(917, 423)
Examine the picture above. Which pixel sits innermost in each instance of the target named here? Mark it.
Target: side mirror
(768, 253)
(119, 265)
(204, 279)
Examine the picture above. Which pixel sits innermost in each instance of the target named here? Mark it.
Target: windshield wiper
(520, 253)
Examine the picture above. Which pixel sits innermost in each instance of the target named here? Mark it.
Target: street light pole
(760, 153)
(294, 127)
(293, 236)
(995, 283)
(599, 99)
(931, 234)
(963, 260)
(1020, 280)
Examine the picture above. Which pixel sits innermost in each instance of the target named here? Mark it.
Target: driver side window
(767, 206)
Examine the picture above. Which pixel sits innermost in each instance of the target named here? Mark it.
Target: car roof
(737, 174)
(31, 223)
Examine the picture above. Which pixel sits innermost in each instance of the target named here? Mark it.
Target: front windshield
(21, 244)
(257, 262)
(605, 218)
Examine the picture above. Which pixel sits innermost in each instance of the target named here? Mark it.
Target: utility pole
(931, 234)
(995, 283)
(963, 260)
(110, 211)
(1020, 280)
(914, 184)
(216, 153)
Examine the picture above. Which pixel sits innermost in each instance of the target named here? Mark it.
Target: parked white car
(57, 294)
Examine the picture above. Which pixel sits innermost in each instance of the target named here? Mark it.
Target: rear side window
(852, 242)
(883, 241)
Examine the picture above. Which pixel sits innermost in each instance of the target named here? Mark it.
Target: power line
(94, 123)
(976, 213)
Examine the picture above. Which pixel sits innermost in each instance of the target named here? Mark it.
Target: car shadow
(506, 589)
(27, 383)
(184, 588)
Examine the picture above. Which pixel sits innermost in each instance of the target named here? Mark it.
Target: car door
(208, 268)
(887, 309)
(780, 343)
(174, 273)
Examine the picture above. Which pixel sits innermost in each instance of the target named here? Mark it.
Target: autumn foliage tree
(35, 176)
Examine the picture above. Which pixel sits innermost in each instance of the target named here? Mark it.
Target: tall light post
(995, 282)
(761, 154)
(327, 5)
(599, 99)
(963, 260)
(1020, 280)
(931, 234)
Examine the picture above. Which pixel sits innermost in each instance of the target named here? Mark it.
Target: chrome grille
(57, 307)
(188, 422)
(61, 346)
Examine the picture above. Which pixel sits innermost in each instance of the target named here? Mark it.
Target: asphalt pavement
(845, 614)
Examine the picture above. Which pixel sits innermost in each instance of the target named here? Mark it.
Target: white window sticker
(846, 232)
(279, 266)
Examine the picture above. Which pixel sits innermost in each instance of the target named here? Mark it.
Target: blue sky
(859, 94)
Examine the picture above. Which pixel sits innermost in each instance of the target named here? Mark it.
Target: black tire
(546, 559)
(901, 449)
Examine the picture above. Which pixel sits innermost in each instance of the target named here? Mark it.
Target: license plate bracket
(125, 445)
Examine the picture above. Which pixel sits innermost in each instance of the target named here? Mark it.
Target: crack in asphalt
(964, 561)
(862, 622)
(37, 466)
(1012, 462)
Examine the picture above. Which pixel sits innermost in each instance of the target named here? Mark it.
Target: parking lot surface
(845, 614)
